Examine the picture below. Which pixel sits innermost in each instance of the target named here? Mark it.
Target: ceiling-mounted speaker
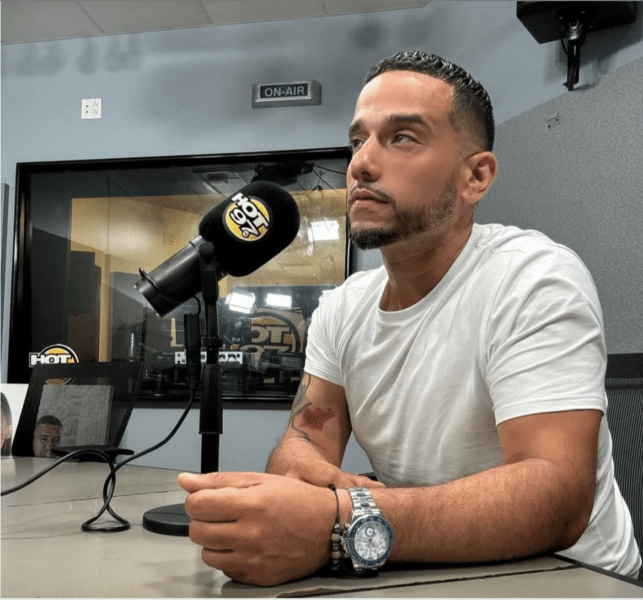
(571, 22)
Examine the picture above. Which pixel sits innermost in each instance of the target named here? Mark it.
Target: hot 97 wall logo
(247, 218)
(56, 354)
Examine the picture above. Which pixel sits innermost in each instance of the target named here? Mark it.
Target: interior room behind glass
(88, 228)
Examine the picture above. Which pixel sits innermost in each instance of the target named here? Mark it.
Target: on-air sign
(294, 93)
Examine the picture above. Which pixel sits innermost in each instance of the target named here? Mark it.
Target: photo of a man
(47, 436)
(7, 429)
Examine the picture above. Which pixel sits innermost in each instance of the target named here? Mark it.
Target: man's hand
(321, 473)
(258, 528)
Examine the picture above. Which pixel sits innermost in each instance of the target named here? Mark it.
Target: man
(47, 436)
(6, 430)
(469, 367)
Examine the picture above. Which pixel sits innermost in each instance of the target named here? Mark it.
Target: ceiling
(39, 20)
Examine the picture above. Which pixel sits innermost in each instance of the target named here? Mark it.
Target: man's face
(401, 180)
(45, 439)
(6, 430)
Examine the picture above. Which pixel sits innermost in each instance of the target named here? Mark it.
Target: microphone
(247, 230)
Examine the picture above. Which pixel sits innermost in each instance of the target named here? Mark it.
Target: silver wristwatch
(367, 538)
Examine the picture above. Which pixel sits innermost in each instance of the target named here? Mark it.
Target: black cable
(573, 68)
(164, 441)
(322, 179)
(562, 43)
(108, 493)
(110, 482)
(330, 170)
(65, 458)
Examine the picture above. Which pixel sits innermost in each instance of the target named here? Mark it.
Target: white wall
(248, 437)
(188, 92)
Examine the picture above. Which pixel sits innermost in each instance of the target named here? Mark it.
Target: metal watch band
(363, 503)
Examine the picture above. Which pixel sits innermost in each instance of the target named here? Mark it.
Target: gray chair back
(624, 386)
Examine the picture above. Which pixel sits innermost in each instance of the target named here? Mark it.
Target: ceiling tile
(246, 11)
(342, 7)
(44, 20)
(126, 16)
(35, 20)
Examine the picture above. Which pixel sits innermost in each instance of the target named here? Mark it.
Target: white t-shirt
(514, 328)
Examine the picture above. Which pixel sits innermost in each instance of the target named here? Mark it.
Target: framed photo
(76, 404)
(85, 229)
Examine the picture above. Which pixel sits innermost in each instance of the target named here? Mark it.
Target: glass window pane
(89, 229)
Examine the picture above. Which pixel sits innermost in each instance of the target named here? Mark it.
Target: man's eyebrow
(396, 119)
(408, 119)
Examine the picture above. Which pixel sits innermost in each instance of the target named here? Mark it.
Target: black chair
(77, 406)
(624, 386)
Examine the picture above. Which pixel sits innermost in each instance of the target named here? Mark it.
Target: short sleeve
(321, 347)
(545, 348)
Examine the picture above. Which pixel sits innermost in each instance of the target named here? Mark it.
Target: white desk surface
(45, 553)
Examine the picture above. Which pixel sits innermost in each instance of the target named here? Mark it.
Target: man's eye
(402, 137)
(355, 144)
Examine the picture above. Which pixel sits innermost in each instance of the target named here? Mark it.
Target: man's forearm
(291, 450)
(301, 459)
(507, 512)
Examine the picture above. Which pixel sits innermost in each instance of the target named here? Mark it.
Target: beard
(407, 222)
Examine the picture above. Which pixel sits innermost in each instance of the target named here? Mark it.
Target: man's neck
(415, 267)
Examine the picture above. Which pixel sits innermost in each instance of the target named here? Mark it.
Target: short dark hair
(49, 420)
(471, 102)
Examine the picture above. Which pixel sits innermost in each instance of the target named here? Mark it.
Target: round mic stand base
(168, 520)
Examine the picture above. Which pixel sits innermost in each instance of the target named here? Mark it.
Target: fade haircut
(471, 107)
(49, 420)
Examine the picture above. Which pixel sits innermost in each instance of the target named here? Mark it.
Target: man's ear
(480, 170)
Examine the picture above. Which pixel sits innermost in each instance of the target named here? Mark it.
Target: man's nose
(365, 164)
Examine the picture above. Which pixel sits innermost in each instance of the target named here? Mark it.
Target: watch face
(370, 540)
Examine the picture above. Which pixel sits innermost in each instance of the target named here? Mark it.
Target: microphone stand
(172, 519)
(211, 417)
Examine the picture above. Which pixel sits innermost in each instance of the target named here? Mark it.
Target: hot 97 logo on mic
(247, 219)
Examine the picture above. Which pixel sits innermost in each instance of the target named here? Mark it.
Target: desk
(45, 553)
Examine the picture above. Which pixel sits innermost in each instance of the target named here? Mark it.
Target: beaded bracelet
(335, 537)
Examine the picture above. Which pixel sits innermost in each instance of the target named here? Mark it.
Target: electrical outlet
(90, 108)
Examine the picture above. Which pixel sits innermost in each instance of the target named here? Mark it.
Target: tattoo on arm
(300, 404)
(312, 419)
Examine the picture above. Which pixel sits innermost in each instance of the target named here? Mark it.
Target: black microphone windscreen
(251, 227)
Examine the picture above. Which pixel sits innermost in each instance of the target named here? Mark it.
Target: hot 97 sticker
(247, 219)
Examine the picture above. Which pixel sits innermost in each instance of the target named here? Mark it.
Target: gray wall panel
(580, 181)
